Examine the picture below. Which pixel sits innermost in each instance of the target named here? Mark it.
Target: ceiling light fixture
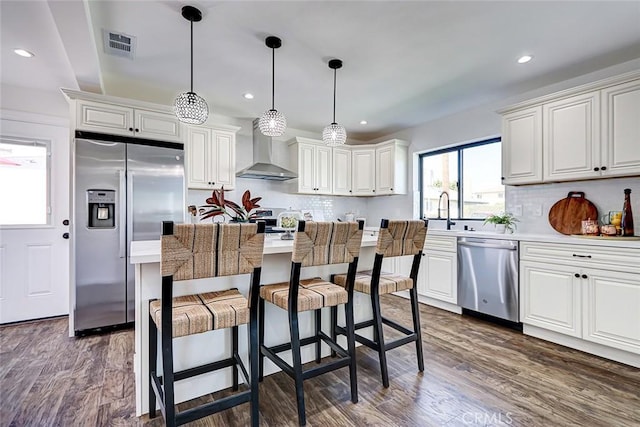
(524, 59)
(189, 106)
(363, 122)
(334, 134)
(24, 53)
(247, 95)
(273, 122)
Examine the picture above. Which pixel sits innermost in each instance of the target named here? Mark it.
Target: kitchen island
(200, 349)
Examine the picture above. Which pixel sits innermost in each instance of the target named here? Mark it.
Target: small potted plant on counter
(503, 222)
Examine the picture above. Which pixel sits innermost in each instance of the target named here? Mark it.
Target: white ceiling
(405, 62)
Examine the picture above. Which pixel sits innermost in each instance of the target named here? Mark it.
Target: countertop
(547, 238)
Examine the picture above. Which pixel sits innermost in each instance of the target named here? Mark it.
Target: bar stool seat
(389, 282)
(313, 294)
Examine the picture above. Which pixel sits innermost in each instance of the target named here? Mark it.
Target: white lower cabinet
(438, 276)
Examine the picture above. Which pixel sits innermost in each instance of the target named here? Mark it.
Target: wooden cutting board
(566, 215)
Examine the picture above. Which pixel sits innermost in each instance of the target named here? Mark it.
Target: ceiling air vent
(119, 44)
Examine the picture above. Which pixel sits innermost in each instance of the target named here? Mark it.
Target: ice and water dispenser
(101, 208)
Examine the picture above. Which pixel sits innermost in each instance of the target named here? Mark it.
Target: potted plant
(218, 205)
(503, 222)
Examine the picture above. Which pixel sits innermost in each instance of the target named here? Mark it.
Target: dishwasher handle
(483, 245)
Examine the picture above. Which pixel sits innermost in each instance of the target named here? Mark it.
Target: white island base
(195, 350)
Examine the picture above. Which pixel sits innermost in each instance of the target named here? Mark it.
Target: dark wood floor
(475, 374)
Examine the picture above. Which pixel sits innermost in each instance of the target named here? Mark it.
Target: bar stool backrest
(198, 251)
(398, 238)
(321, 243)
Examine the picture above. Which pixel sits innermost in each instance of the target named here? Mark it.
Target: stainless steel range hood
(263, 168)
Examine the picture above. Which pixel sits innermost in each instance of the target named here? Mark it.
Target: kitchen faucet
(449, 222)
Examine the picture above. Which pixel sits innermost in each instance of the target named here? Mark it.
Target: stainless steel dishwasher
(488, 276)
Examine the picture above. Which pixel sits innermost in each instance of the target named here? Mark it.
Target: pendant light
(334, 134)
(273, 122)
(189, 106)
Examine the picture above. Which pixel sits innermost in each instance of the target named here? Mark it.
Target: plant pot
(501, 228)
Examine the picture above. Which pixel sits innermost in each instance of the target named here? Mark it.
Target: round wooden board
(566, 215)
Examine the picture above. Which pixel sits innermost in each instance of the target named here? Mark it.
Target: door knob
(65, 235)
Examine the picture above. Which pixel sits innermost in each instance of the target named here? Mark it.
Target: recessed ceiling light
(247, 95)
(363, 122)
(24, 53)
(524, 59)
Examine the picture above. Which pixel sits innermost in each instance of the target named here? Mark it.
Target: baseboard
(432, 302)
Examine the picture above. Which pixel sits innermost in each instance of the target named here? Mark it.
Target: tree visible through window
(470, 174)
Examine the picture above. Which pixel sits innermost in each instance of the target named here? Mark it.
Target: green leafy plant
(505, 218)
(218, 205)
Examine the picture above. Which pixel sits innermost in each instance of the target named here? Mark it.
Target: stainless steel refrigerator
(123, 189)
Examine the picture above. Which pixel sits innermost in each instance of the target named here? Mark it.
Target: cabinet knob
(137, 130)
(130, 129)
(65, 235)
(584, 276)
(373, 191)
(65, 222)
(603, 168)
(577, 275)
(391, 189)
(596, 169)
(502, 178)
(350, 191)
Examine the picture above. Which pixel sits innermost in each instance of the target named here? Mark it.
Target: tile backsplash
(531, 203)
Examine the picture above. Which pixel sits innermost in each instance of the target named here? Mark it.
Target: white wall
(483, 122)
(17, 98)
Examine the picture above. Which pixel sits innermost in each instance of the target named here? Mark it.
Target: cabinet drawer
(607, 258)
(440, 243)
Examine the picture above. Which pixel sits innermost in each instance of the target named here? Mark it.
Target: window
(25, 175)
(470, 174)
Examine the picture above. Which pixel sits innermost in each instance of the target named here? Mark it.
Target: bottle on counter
(627, 216)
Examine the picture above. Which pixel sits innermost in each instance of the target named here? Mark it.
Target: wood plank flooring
(476, 374)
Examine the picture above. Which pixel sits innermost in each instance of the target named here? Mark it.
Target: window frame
(460, 158)
(46, 143)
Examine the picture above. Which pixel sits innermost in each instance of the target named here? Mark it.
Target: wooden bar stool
(396, 238)
(315, 244)
(196, 252)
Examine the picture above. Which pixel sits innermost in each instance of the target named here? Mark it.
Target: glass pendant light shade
(191, 108)
(334, 135)
(272, 123)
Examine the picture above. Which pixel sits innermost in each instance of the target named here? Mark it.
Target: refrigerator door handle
(130, 175)
(123, 213)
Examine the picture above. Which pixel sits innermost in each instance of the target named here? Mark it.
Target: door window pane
(482, 187)
(439, 173)
(24, 182)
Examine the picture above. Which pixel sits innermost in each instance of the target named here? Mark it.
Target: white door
(384, 170)
(439, 276)
(224, 162)
(342, 171)
(306, 177)
(198, 163)
(522, 147)
(363, 179)
(34, 203)
(323, 171)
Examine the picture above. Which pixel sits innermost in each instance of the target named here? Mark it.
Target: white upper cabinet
(342, 171)
(391, 168)
(363, 171)
(587, 132)
(522, 146)
(211, 158)
(312, 160)
(120, 120)
(621, 130)
(571, 138)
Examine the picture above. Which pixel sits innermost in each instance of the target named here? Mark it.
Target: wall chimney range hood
(262, 167)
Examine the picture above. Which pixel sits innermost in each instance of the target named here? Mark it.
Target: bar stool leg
(318, 325)
(254, 350)
(261, 338)
(334, 325)
(416, 327)
(167, 377)
(297, 365)
(153, 364)
(377, 317)
(351, 345)
(234, 343)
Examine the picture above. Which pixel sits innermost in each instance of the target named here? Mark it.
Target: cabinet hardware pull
(502, 178)
(137, 130)
(603, 168)
(596, 169)
(130, 129)
(582, 256)
(577, 275)
(391, 189)
(584, 276)
(65, 222)
(65, 235)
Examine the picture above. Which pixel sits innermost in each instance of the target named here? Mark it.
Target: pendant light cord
(191, 20)
(334, 95)
(273, 79)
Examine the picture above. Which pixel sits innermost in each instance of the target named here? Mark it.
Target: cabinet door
(306, 173)
(550, 297)
(612, 309)
(197, 147)
(571, 129)
(223, 160)
(438, 276)
(621, 129)
(522, 147)
(363, 172)
(342, 171)
(104, 118)
(155, 125)
(323, 170)
(385, 171)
